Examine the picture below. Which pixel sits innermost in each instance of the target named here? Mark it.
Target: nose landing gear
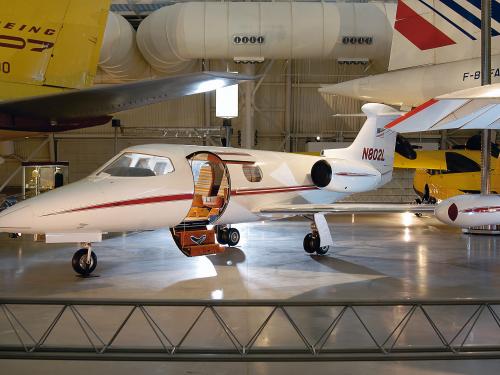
(84, 260)
(228, 236)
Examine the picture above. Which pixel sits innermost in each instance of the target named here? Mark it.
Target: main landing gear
(312, 241)
(312, 245)
(84, 260)
(228, 236)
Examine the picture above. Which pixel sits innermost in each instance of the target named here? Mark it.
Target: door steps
(196, 241)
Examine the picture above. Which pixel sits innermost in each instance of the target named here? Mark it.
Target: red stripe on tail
(411, 113)
(418, 30)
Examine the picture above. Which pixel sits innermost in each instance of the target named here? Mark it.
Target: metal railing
(250, 330)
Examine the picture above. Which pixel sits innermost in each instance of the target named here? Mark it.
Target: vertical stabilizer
(49, 44)
(374, 144)
(439, 31)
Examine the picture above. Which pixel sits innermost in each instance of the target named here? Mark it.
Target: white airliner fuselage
(413, 86)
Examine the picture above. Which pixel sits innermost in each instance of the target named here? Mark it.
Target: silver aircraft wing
(345, 208)
(108, 99)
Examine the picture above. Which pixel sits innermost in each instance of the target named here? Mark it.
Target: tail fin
(435, 32)
(47, 44)
(374, 144)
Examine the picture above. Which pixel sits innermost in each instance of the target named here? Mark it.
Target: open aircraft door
(212, 189)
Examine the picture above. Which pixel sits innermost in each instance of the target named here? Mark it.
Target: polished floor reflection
(375, 257)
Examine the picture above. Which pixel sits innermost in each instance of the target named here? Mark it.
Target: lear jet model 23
(188, 188)
(476, 108)
(48, 59)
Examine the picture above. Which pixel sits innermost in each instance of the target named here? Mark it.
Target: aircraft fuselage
(104, 203)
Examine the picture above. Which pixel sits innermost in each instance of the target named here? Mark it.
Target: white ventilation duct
(120, 58)
(172, 37)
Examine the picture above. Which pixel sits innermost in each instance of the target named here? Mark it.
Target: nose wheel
(228, 236)
(84, 261)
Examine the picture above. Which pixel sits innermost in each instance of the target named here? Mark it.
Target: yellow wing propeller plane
(442, 174)
(48, 59)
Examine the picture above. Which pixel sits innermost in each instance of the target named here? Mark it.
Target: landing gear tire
(80, 265)
(312, 245)
(222, 235)
(233, 236)
(322, 250)
(309, 243)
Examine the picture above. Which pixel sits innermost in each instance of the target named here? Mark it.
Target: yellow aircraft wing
(425, 160)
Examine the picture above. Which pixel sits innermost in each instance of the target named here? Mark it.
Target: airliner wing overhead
(94, 105)
(475, 108)
(345, 208)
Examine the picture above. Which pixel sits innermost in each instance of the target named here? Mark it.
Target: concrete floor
(390, 256)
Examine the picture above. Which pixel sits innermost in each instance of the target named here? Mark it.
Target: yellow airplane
(48, 60)
(443, 174)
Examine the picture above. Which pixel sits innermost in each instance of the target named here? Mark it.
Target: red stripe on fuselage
(238, 162)
(232, 153)
(179, 197)
(350, 174)
(131, 202)
(481, 210)
(411, 113)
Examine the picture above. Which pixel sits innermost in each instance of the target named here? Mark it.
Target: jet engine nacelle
(345, 176)
(470, 210)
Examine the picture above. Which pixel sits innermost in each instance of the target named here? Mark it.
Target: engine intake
(344, 176)
(321, 173)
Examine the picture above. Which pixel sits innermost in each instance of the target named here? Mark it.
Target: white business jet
(199, 192)
(475, 108)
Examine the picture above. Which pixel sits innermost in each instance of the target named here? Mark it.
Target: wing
(343, 208)
(92, 106)
(475, 108)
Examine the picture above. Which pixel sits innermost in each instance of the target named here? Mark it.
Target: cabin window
(458, 163)
(138, 165)
(252, 172)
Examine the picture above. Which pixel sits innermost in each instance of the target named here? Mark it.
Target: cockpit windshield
(138, 165)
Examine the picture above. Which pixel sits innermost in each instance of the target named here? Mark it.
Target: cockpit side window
(138, 165)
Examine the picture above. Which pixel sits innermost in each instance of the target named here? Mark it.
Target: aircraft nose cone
(16, 219)
(349, 88)
(446, 212)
